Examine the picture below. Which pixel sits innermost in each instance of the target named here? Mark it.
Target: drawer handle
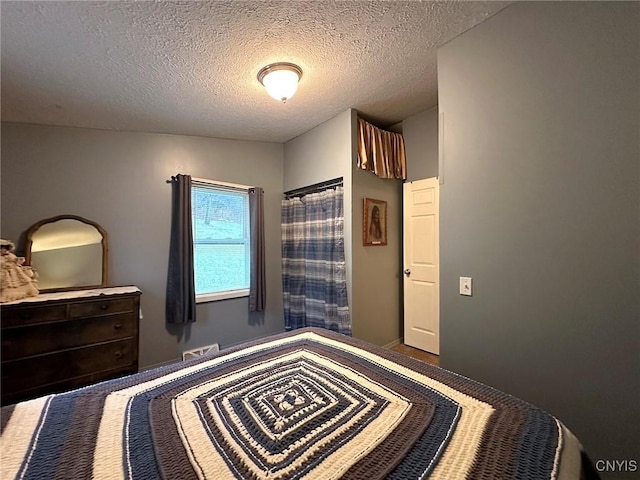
(104, 306)
(118, 355)
(117, 326)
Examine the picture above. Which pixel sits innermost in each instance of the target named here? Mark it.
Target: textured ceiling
(190, 67)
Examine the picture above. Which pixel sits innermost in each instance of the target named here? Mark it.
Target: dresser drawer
(102, 307)
(63, 340)
(63, 367)
(36, 339)
(13, 316)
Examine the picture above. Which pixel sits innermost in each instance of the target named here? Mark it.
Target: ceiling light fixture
(280, 80)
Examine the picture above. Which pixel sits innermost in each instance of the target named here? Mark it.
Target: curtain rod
(215, 182)
(316, 187)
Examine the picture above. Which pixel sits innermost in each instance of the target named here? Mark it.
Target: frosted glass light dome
(280, 80)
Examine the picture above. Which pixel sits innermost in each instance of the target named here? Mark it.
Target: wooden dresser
(60, 341)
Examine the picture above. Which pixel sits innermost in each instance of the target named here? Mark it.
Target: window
(220, 218)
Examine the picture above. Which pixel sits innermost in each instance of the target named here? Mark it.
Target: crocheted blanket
(307, 404)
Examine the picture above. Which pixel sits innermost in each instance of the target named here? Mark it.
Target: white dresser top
(72, 294)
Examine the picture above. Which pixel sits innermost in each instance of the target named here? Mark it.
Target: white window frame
(226, 294)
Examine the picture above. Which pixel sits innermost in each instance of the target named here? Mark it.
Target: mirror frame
(105, 250)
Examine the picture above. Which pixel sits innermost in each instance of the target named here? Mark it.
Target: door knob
(407, 272)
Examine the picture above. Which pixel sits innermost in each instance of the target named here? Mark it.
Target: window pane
(220, 267)
(221, 239)
(218, 215)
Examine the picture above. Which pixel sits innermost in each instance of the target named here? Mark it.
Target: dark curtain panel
(181, 291)
(257, 284)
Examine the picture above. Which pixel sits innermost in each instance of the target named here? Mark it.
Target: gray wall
(324, 153)
(420, 134)
(118, 180)
(329, 151)
(541, 206)
(377, 282)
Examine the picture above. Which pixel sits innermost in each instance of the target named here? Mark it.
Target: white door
(421, 265)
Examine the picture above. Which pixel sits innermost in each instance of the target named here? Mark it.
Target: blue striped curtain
(313, 265)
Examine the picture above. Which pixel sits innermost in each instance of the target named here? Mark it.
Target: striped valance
(381, 152)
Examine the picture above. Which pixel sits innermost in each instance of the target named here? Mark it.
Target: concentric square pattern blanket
(306, 404)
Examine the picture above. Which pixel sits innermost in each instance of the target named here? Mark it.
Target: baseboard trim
(390, 345)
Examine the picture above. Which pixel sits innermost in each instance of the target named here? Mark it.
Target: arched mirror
(67, 252)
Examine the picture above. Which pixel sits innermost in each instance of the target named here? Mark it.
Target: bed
(303, 404)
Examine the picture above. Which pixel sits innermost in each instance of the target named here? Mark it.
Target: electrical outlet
(465, 286)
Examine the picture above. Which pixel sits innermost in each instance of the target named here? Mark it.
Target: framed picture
(374, 222)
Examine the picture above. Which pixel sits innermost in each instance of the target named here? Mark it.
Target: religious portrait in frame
(374, 222)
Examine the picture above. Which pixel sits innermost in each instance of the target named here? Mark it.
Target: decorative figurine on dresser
(76, 330)
(17, 281)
